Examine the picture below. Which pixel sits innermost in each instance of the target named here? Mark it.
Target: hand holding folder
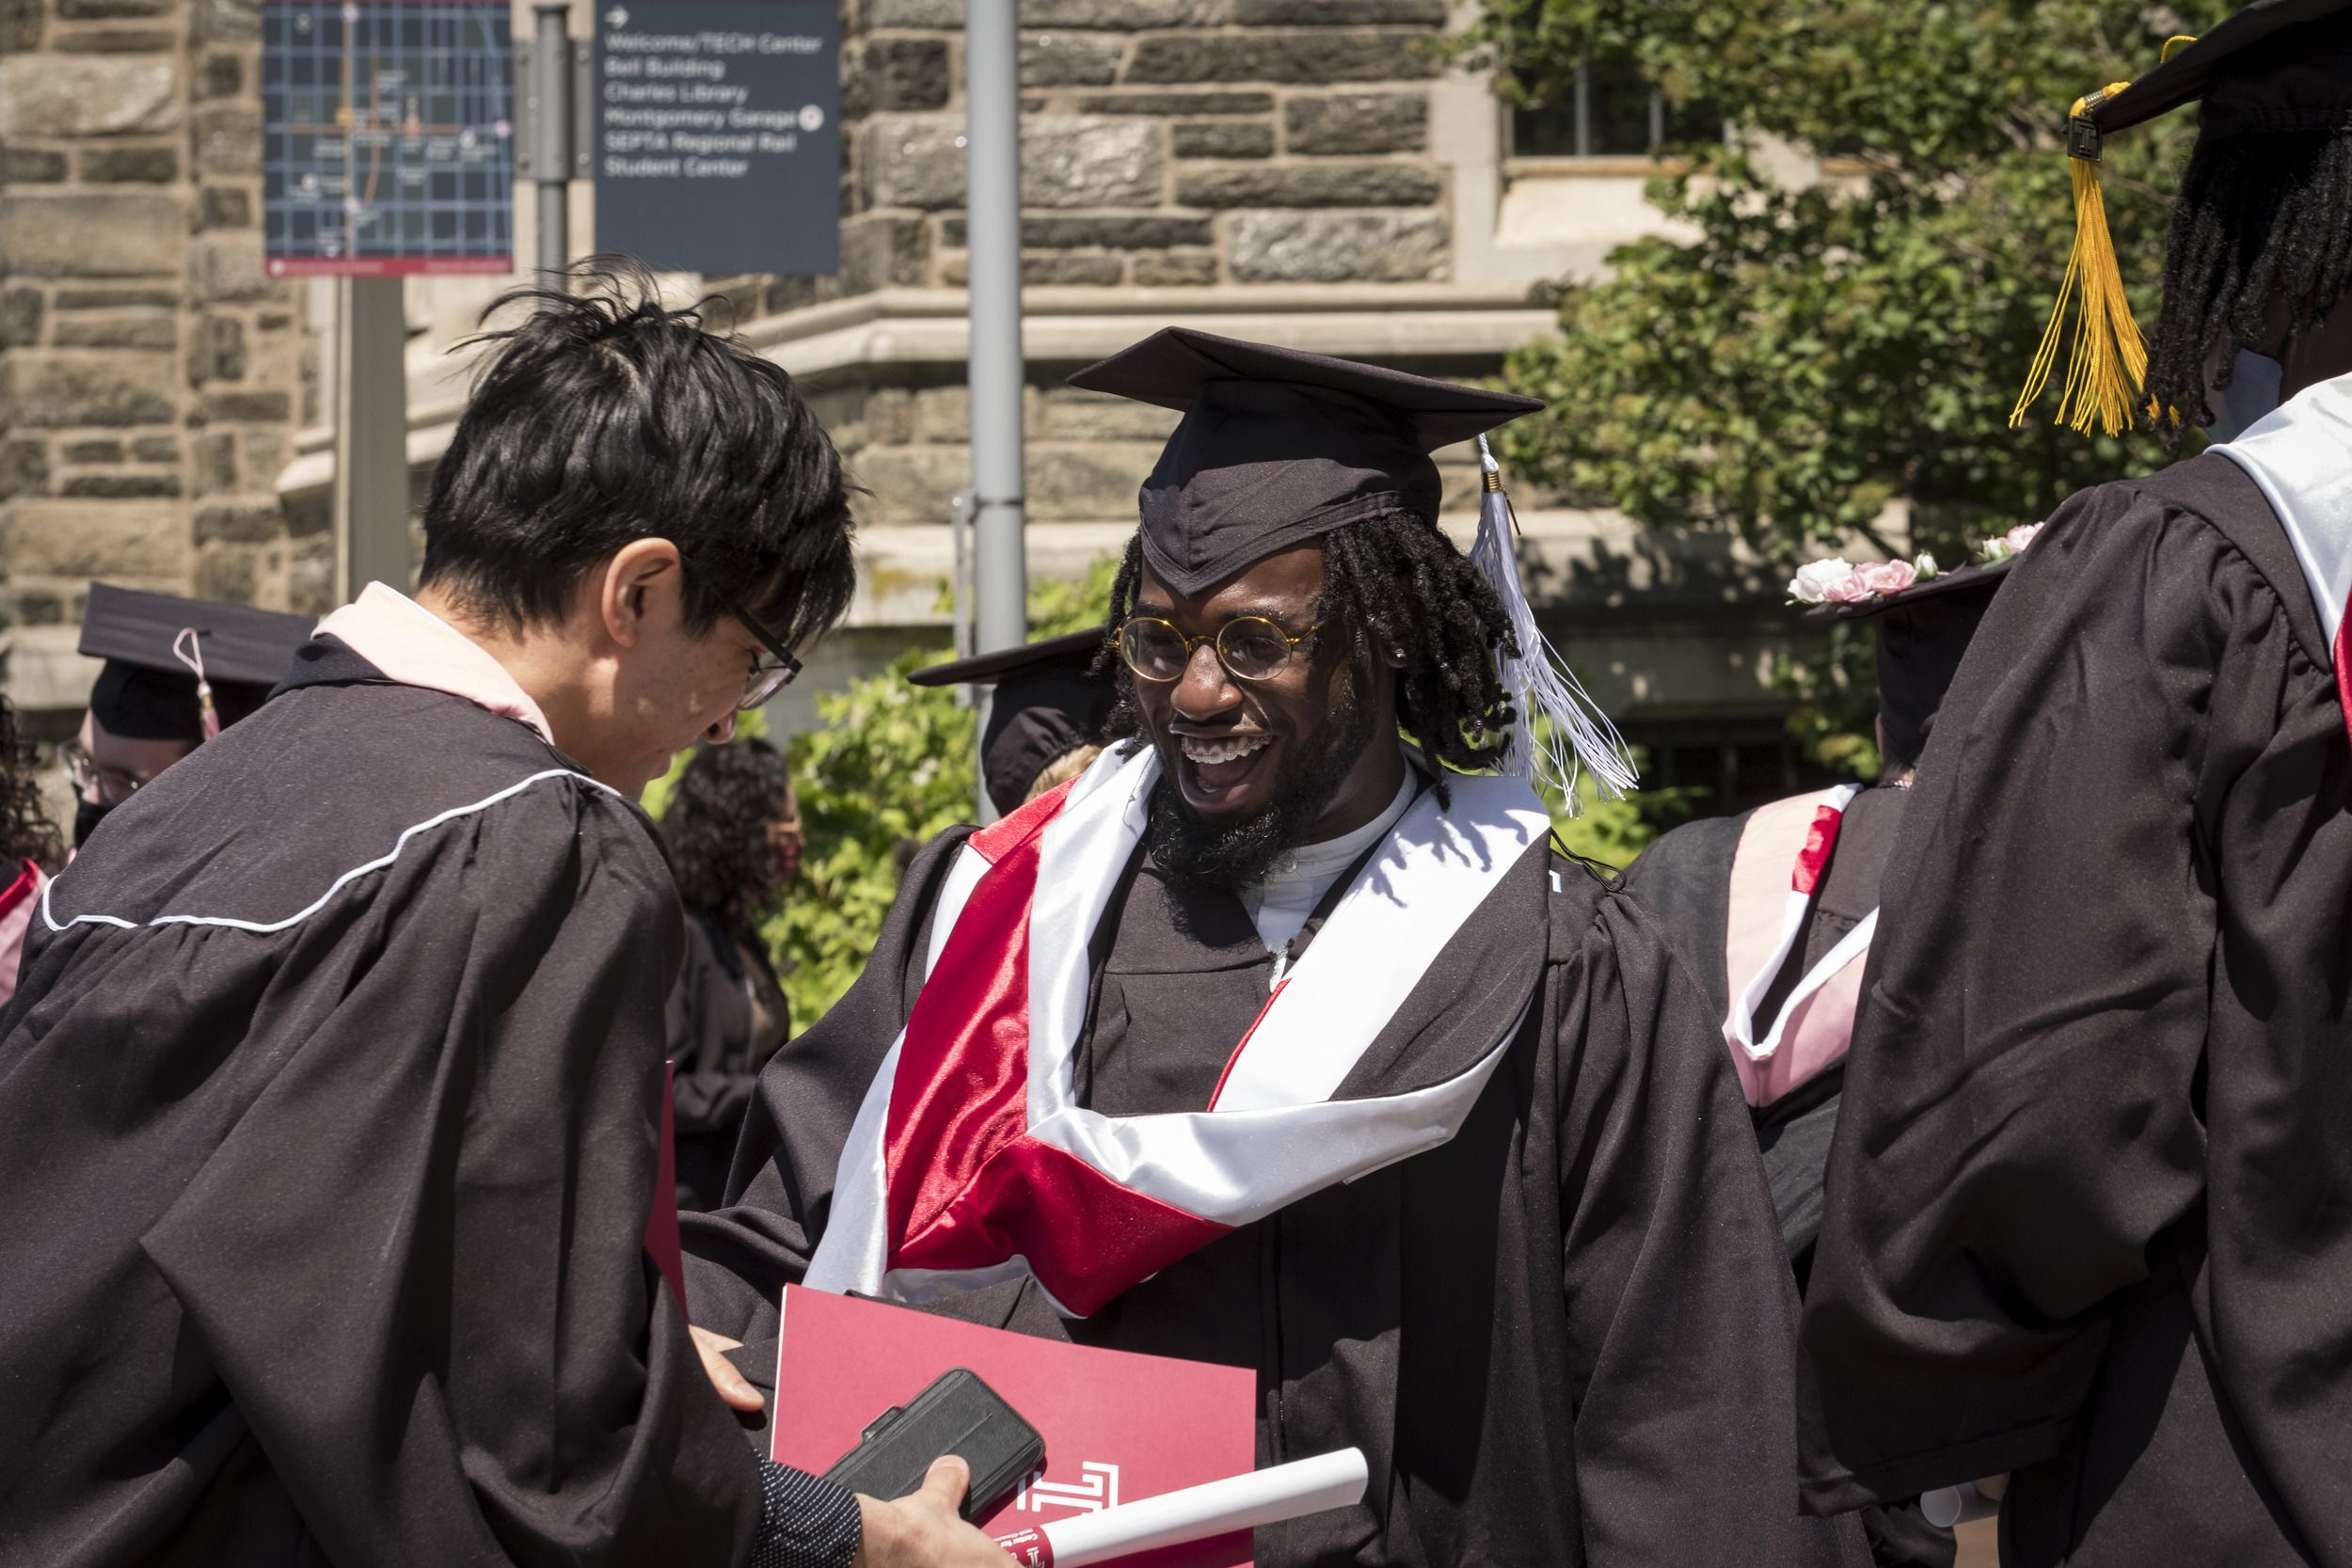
(1117, 1426)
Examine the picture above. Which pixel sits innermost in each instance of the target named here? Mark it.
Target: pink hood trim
(416, 647)
(1769, 903)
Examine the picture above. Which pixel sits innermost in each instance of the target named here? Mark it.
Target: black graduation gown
(710, 1027)
(2091, 1197)
(325, 1234)
(1538, 1333)
(1686, 878)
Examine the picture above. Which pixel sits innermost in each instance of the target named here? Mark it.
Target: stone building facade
(151, 379)
(1304, 172)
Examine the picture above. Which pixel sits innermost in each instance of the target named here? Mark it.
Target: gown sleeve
(739, 1256)
(2020, 1121)
(417, 1261)
(1684, 878)
(1681, 1313)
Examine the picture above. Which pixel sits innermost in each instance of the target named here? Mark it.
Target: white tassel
(1538, 680)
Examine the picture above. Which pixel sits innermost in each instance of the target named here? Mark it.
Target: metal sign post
(992, 53)
(550, 150)
(371, 438)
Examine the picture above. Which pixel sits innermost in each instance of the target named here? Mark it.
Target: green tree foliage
(1796, 358)
(891, 766)
(1612, 833)
(1815, 353)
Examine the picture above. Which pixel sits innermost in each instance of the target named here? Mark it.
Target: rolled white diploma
(1214, 1508)
(1947, 1506)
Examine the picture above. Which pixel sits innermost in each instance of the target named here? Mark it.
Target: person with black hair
(1282, 1040)
(328, 1138)
(2090, 1198)
(734, 831)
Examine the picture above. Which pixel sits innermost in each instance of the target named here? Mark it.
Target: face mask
(86, 815)
(2252, 394)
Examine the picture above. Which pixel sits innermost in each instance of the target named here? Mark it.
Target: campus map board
(386, 137)
(719, 135)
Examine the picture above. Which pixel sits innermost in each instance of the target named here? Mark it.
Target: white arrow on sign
(616, 17)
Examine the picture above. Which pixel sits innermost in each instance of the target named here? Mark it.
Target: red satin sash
(967, 1186)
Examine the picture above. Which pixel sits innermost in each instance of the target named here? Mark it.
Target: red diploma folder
(1118, 1427)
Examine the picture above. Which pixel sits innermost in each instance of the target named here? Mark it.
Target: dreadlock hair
(1393, 580)
(2258, 215)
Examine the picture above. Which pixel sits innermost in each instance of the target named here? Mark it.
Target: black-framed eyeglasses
(1251, 647)
(765, 680)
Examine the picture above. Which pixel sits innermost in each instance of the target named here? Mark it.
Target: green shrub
(891, 766)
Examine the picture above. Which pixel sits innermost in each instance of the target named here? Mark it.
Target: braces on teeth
(1222, 751)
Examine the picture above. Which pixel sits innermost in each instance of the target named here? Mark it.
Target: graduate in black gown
(176, 673)
(1046, 708)
(329, 1095)
(1776, 909)
(1495, 1219)
(733, 828)
(2089, 1215)
(1776, 906)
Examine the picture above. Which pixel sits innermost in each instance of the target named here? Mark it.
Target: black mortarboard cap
(1049, 701)
(2275, 65)
(146, 692)
(2272, 66)
(1278, 446)
(1923, 632)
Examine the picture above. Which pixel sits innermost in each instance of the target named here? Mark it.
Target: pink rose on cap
(1887, 577)
(1851, 588)
(2011, 543)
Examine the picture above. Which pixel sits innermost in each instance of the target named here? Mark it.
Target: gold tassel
(2111, 358)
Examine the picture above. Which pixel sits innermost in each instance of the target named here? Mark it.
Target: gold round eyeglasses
(1251, 647)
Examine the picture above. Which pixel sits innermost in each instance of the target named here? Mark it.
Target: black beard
(1195, 853)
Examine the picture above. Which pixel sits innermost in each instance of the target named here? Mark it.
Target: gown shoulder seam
(381, 863)
(2187, 489)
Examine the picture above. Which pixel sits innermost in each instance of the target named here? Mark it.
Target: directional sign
(387, 132)
(718, 134)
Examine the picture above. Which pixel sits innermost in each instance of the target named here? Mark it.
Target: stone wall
(1176, 155)
(1165, 144)
(1301, 171)
(151, 376)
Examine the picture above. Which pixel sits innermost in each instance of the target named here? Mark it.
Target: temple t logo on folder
(1118, 1427)
(1099, 1490)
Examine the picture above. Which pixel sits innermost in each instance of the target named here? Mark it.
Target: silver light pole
(371, 438)
(551, 108)
(992, 91)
